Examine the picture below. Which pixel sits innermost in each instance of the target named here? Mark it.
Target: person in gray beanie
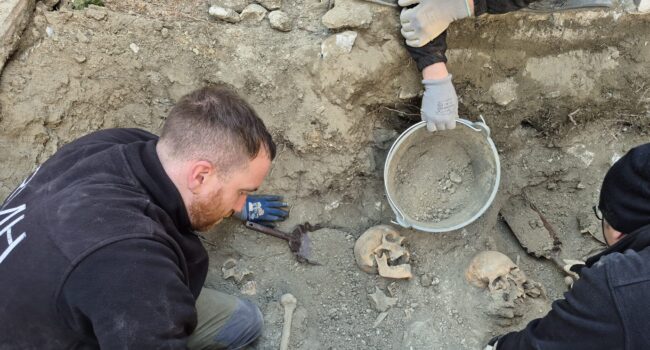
(608, 307)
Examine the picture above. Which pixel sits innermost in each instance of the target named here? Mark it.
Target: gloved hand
(263, 209)
(427, 20)
(492, 344)
(439, 104)
(572, 266)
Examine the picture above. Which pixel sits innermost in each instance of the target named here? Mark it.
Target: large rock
(224, 14)
(237, 5)
(348, 15)
(253, 13)
(280, 21)
(504, 92)
(271, 4)
(14, 15)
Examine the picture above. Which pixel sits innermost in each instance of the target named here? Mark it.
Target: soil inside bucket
(435, 180)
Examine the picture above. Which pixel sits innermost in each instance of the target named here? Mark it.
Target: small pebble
(455, 178)
(426, 280)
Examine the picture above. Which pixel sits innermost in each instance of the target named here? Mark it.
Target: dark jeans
(224, 322)
(434, 51)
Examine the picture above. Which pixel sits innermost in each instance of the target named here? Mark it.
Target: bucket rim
(400, 218)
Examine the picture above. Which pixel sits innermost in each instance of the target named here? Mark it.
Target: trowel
(299, 241)
(533, 231)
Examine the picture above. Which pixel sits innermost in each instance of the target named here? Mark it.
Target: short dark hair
(216, 124)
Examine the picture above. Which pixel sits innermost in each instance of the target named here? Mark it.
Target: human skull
(378, 241)
(495, 271)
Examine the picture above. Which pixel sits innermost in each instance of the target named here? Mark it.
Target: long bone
(289, 303)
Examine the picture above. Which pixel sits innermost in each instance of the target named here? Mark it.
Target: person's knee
(242, 328)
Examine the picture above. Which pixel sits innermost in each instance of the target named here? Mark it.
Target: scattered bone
(231, 269)
(288, 301)
(379, 319)
(249, 288)
(135, 48)
(534, 289)
(382, 302)
(398, 272)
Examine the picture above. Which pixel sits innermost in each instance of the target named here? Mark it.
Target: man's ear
(199, 173)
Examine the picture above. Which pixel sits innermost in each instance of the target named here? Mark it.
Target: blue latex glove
(263, 209)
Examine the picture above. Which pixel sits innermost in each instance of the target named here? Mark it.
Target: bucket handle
(477, 126)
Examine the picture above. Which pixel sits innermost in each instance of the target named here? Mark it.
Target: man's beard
(206, 213)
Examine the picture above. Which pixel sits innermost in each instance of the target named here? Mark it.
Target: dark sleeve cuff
(480, 7)
(433, 52)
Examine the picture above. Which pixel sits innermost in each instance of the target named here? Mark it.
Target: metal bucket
(485, 165)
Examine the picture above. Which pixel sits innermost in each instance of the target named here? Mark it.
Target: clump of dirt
(435, 179)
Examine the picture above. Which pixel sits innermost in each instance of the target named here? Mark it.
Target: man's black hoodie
(607, 308)
(97, 251)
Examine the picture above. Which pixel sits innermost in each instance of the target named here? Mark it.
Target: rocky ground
(564, 94)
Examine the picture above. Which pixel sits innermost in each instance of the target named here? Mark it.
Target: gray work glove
(427, 20)
(439, 104)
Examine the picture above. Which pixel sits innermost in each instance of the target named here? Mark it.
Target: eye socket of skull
(392, 237)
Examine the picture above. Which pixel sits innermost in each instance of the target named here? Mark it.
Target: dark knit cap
(625, 195)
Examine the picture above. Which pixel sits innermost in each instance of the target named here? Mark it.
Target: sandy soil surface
(435, 179)
(564, 95)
